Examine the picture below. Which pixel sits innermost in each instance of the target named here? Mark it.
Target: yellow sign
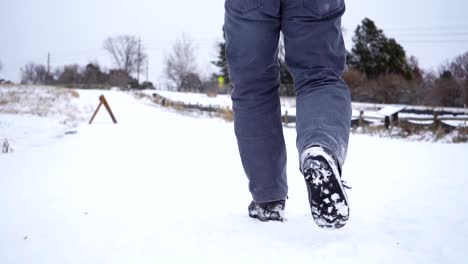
(221, 81)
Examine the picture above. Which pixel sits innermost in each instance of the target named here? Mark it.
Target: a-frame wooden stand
(103, 101)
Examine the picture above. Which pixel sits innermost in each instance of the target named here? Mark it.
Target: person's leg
(315, 55)
(252, 30)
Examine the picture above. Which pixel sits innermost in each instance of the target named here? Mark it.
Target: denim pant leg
(252, 31)
(315, 55)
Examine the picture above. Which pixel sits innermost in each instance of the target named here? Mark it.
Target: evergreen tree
(287, 82)
(374, 54)
(286, 79)
(395, 59)
(221, 63)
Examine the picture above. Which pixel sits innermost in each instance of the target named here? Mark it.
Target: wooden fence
(226, 113)
(290, 120)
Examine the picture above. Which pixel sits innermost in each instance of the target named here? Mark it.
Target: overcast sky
(73, 31)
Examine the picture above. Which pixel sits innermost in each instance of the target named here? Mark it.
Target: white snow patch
(158, 184)
(335, 197)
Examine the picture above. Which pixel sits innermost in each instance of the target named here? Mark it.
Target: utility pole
(147, 69)
(48, 68)
(139, 61)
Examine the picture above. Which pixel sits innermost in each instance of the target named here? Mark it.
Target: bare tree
(192, 82)
(181, 62)
(448, 90)
(459, 67)
(92, 74)
(119, 78)
(127, 52)
(71, 74)
(416, 71)
(33, 74)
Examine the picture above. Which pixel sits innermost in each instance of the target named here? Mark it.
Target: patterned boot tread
(268, 211)
(327, 196)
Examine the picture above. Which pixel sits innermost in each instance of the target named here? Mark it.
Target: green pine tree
(221, 63)
(286, 79)
(374, 54)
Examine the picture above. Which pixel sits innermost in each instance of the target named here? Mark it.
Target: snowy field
(221, 100)
(161, 187)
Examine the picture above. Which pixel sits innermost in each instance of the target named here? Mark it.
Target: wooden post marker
(361, 118)
(103, 101)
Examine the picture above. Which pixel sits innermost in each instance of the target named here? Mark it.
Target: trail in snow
(160, 187)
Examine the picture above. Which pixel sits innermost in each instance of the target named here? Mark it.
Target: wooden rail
(288, 119)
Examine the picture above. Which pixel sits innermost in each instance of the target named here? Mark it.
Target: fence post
(387, 122)
(286, 121)
(466, 113)
(395, 119)
(436, 121)
(361, 118)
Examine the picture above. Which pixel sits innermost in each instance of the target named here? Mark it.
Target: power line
(438, 34)
(430, 28)
(147, 70)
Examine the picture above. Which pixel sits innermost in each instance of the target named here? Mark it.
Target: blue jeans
(315, 56)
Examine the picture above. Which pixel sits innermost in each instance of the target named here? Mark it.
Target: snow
(288, 105)
(221, 100)
(391, 109)
(455, 123)
(24, 131)
(34, 116)
(160, 187)
(376, 107)
(372, 112)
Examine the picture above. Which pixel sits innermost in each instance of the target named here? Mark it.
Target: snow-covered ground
(221, 100)
(31, 116)
(160, 187)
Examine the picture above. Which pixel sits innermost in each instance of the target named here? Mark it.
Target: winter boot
(267, 211)
(327, 196)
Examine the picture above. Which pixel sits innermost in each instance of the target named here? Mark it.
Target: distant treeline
(89, 76)
(378, 70)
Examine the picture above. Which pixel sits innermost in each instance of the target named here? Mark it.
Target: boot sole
(327, 197)
(265, 219)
